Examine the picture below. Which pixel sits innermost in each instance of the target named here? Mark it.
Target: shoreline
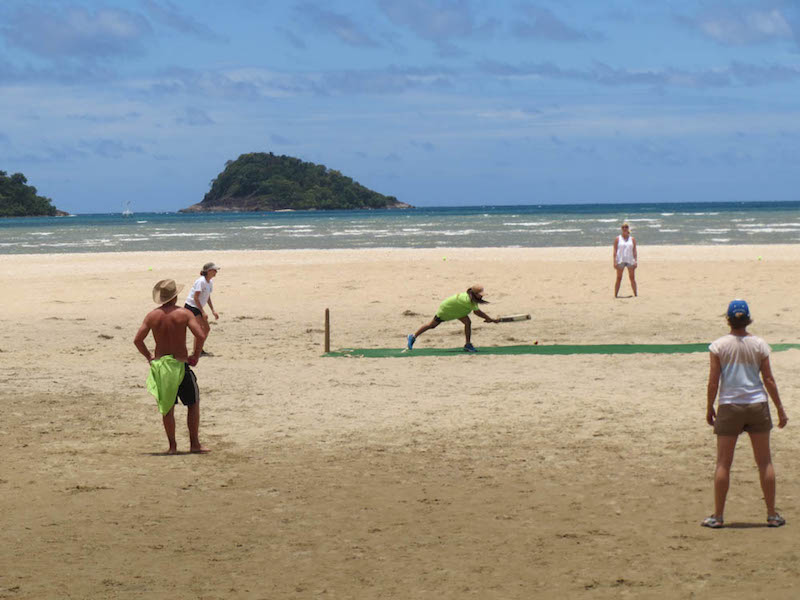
(477, 227)
(659, 250)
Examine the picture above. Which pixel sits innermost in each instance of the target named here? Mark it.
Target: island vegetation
(265, 182)
(17, 199)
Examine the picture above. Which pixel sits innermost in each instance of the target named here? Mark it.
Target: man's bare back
(168, 324)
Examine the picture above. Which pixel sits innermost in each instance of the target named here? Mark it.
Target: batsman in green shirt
(457, 307)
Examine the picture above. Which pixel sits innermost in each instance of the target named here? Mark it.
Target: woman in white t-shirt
(625, 255)
(200, 295)
(739, 361)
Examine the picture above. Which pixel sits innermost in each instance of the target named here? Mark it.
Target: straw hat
(477, 289)
(165, 290)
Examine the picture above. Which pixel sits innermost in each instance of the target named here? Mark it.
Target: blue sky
(437, 102)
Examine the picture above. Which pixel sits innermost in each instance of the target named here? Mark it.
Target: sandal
(713, 522)
(775, 520)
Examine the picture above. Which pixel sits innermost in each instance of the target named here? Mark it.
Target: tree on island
(265, 182)
(20, 200)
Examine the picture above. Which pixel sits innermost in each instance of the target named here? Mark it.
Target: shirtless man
(170, 377)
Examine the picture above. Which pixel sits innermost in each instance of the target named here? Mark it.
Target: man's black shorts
(187, 390)
(197, 312)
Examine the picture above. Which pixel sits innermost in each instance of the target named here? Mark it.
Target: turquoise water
(485, 226)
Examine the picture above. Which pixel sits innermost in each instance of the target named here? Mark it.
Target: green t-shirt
(456, 307)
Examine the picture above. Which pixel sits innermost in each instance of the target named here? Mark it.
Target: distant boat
(127, 212)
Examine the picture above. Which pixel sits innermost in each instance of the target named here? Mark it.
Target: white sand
(429, 477)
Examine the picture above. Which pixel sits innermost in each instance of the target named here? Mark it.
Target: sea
(717, 223)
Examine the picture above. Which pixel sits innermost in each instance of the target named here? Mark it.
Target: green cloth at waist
(163, 381)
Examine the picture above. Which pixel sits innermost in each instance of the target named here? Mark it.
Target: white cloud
(74, 31)
(740, 27)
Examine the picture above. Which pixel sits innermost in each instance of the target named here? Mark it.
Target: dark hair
(739, 322)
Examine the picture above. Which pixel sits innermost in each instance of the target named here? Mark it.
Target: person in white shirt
(625, 255)
(200, 295)
(739, 361)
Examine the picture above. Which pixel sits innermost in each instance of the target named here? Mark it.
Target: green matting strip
(553, 349)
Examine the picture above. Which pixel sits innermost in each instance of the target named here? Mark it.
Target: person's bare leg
(169, 428)
(467, 328)
(432, 325)
(193, 422)
(204, 326)
(618, 282)
(632, 276)
(766, 472)
(726, 444)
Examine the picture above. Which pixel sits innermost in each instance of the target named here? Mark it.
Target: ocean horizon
(511, 226)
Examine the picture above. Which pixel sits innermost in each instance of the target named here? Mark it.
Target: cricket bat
(509, 318)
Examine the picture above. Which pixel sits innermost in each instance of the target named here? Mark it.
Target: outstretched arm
(485, 317)
(138, 340)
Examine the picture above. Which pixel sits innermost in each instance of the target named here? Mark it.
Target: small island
(265, 182)
(20, 200)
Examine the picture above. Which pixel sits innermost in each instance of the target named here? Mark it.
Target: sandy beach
(463, 476)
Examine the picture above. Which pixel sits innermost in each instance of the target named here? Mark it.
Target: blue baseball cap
(738, 308)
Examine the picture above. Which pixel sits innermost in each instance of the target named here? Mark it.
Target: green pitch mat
(539, 349)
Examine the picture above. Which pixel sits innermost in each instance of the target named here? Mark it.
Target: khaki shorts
(733, 419)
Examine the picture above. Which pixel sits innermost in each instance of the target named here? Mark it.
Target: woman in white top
(200, 295)
(625, 256)
(739, 361)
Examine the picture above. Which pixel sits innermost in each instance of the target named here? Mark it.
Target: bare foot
(199, 450)
(171, 451)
